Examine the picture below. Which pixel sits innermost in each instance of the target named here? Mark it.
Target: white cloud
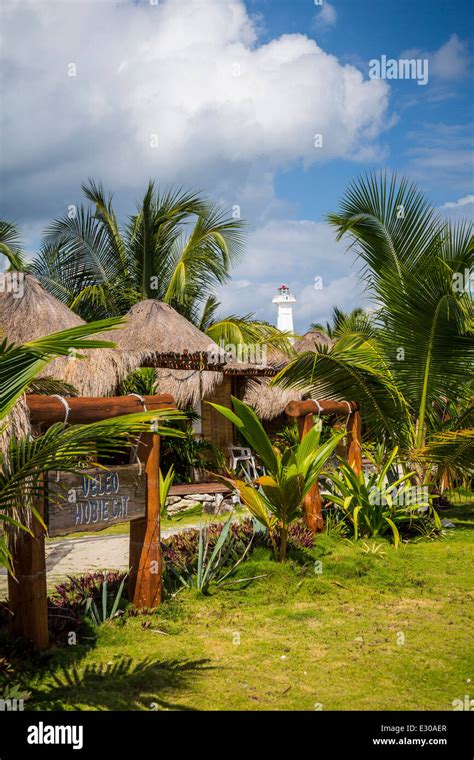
(228, 111)
(451, 61)
(294, 252)
(463, 208)
(467, 200)
(325, 18)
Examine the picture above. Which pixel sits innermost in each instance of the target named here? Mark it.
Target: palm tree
(357, 320)
(177, 248)
(420, 355)
(10, 245)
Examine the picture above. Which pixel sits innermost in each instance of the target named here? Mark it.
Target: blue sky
(368, 29)
(235, 92)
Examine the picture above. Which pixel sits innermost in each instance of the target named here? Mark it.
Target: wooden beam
(302, 408)
(83, 410)
(313, 503)
(27, 593)
(27, 597)
(354, 443)
(146, 563)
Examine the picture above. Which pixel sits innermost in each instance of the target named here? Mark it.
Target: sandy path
(75, 556)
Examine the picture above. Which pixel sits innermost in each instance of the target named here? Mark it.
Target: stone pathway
(75, 556)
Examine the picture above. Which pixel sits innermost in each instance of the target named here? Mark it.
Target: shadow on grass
(461, 513)
(122, 685)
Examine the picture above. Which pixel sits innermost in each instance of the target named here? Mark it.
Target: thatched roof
(270, 401)
(37, 313)
(161, 337)
(155, 335)
(266, 400)
(310, 340)
(187, 386)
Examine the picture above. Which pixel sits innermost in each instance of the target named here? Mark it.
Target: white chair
(241, 458)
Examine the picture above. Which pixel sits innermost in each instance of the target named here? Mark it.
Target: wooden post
(354, 443)
(145, 550)
(313, 503)
(27, 595)
(27, 599)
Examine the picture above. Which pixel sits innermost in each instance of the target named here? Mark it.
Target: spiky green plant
(372, 507)
(289, 474)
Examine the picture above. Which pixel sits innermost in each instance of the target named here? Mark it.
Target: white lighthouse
(284, 301)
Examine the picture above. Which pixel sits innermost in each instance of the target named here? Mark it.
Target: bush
(181, 549)
(66, 608)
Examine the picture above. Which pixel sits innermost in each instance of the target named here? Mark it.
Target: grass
(370, 632)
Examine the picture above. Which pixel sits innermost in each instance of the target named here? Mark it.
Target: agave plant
(373, 508)
(213, 566)
(109, 605)
(289, 474)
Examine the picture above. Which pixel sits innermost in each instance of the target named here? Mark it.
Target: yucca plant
(109, 604)
(289, 474)
(373, 508)
(213, 566)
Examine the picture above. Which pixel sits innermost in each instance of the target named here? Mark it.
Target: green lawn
(370, 632)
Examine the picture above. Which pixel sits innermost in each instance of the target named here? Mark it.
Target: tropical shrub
(180, 551)
(189, 453)
(289, 474)
(411, 369)
(373, 508)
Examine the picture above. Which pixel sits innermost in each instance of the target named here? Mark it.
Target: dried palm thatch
(270, 401)
(266, 400)
(38, 313)
(15, 425)
(155, 335)
(187, 386)
(310, 340)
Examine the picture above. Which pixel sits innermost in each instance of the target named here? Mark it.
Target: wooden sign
(95, 499)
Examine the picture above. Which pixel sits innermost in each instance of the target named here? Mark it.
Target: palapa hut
(269, 401)
(35, 313)
(156, 335)
(188, 363)
(311, 339)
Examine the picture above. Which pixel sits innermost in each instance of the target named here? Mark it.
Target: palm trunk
(273, 543)
(283, 542)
